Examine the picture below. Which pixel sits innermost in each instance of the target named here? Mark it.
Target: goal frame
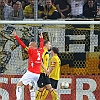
(50, 22)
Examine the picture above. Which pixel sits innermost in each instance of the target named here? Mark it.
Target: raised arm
(19, 40)
(41, 40)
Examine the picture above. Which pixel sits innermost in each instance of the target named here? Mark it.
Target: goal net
(78, 43)
(79, 51)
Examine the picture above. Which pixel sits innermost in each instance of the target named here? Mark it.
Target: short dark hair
(55, 50)
(32, 40)
(45, 42)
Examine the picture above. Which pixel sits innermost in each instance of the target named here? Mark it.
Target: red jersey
(35, 55)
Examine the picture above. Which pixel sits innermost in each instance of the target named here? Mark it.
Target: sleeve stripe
(26, 49)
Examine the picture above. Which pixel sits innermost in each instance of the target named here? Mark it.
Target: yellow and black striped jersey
(55, 62)
(45, 59)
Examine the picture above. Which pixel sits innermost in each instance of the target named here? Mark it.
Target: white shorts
(30, 78)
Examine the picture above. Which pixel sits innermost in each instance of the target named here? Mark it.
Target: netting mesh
(15, 57)
(79, 51)
(79, 47)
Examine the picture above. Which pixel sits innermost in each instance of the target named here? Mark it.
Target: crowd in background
(49, 9)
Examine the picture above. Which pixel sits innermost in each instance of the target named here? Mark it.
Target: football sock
(44, 94)
(54, 95)
(18, 92)
(32, 94)
(38, 95)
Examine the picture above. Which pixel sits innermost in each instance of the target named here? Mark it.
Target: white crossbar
(50, 22)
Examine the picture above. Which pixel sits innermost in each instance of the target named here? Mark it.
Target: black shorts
(54, 83)
(43, 80)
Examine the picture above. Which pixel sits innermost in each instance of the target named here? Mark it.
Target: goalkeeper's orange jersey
(45, 59)
(55, 62)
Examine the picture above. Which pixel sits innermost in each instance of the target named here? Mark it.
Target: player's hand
(14, 33)
(47, 72)
(41, 35)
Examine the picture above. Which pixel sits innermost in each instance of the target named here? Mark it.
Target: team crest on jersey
(53, 63)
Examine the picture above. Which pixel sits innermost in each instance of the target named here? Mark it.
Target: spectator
(13, 2)
(19, 5)
(1, 9)
(24, 3)
(98, 8)
(77, 8)
(6, 10)
(10, 3)
(52, 1)
(90, 9)
(41, 2)
(17, 12)
(49, 11)
(29, 10)
(63, 8)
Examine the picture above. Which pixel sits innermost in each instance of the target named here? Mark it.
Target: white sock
(18, 92)
(32, 94)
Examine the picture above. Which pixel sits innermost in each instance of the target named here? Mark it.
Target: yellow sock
(44, 94)
(54, 95)
(38, 95)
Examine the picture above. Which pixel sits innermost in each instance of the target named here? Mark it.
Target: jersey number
(38, 56)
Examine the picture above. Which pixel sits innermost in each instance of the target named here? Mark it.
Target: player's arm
(44, 68)
(51, 69)
(52, 66)
(41, 40)
(19, 40)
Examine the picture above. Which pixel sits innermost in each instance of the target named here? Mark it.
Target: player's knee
(49, 87)
(31, 87)
(40, 89)
(20, 84)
